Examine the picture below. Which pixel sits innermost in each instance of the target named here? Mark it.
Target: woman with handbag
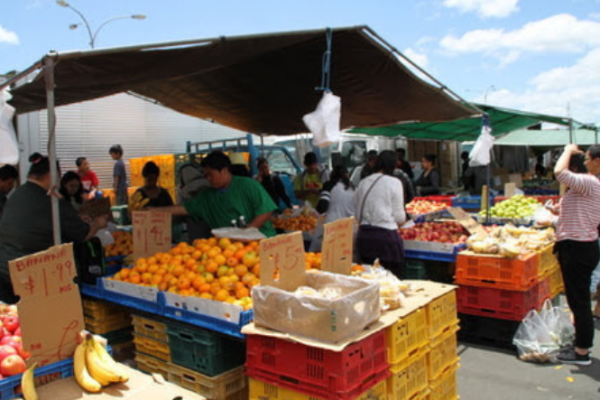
(379, 205)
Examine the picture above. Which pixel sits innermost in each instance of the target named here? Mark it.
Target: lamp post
(94, 35)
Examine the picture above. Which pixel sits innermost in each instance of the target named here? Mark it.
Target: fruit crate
(407, 335)
(470, 202)
(98, 309)
(204, 351)
(442, 354)
(150, 328)
(548, 261)
(444, 388)
(264, 391)
(408, 380)
(316, 371)
(119, 336)
(541, 199)
(557, 285)
(497, 272)
(447, 200)
(230, 385)
(432, 251)
(441, 314)
(120, 215)
(415, 269)
(43, 375)
(502, 304)
(108, 324)
(152, 365)
(153, 348)
(491, 332)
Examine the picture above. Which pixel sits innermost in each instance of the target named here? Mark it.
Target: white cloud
(485, 8)
(551, 92)
(420, 59)
(7, 36)
(561, 33)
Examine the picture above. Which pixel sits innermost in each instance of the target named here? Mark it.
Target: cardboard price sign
(338, 238)
(151, 232)
(283, 254)
(50, 307)
(96, 207)
(466, 221)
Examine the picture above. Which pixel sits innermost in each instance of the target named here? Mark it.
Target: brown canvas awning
(261, 84)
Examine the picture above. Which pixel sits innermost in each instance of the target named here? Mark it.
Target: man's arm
(115, 182)
(174, 210)
(260, 220)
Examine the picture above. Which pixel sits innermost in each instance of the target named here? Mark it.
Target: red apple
(18, 332)
(6, 351)
(12, 365)
(12, 310)
(14, 341)
(12, 323)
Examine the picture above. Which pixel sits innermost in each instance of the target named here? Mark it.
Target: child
(119, 175)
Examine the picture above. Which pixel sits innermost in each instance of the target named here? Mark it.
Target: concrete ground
(490, 374)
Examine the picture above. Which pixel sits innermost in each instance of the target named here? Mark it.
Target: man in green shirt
(230, 200)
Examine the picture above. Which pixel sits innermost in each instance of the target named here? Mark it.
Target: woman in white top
(379, 206)
(337, 196)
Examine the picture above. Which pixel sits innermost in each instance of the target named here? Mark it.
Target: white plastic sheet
(324, 122)
(9, 150)
(480, 154)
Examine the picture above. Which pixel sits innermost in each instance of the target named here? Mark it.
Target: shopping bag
(480, 154)
(324, 122)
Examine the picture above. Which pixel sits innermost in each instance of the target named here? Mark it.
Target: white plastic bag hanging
(324, 122)
(480, 154)
(9, 150)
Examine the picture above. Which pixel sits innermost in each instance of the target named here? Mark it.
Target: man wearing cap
(231, 200)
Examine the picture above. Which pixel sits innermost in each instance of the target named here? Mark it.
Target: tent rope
(326, 74)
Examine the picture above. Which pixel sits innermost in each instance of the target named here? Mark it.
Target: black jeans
(577, 261)
(373, 243)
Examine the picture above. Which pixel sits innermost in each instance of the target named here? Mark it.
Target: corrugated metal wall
(89, 129)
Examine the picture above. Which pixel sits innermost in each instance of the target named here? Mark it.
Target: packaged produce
(391, 289)
(510, 241)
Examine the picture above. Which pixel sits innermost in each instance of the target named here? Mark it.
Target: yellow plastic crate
(406, 335)
(443, 353)
(151, 365)
(444, 388)
(557, 285)
(135, 171)
(106, 325)
(98, 310)
(442, 314)
(152, 347)
(265, 391)
(547, 261)
(150, 328)
(227, 386)
(408, 380)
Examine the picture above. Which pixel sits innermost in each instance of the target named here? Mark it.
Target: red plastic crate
(447, 200)
(502, 304)
(498, 273)
(541, 199)
(316, 371)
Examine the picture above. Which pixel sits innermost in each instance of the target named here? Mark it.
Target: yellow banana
(28, 385)
(98, 369)
(109, 362)
(82, 376)
(144, 202)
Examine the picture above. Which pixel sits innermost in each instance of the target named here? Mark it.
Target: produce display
(292, 220)
(442, 232)
(391, 289)
(12, 354)
(511, 241)
(517, 206)
(138, 202)
(419, 207)
(94, 368)
(123, 245)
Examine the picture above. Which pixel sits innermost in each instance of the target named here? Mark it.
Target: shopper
(71, 189)
(8, 177)
(337, 196)
(191, 183)
(119, 175)
(379, 207)
(159, 197)
(407, 185)
(26, 226)
(367, 169)
(89, 180)
(272, 183)
(308, 185)
(429, 181)
(403, 164)
(231, 200)
(577, 245)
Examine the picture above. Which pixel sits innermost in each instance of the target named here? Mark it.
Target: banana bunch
(94, 367)
(138, 202)
(28, 385)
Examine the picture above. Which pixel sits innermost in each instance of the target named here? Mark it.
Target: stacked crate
(285, 370)
(495, 293)
(112, 322)
(202, 361)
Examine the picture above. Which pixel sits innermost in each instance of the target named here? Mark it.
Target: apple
(18, 332)
(12, 323)
(12, 365)
(14, 341)
(6, 351)
(12, 310)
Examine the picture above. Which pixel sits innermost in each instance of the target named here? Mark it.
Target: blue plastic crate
(434, 256)
(470, 202)
(430, 216)
(9, 385)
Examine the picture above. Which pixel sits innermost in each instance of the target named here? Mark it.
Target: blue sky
(534, 55)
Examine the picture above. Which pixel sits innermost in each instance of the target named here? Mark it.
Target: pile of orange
(214, 269)
(300, 223)
(122, 246)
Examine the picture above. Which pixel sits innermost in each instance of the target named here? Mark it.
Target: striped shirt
(580, 207)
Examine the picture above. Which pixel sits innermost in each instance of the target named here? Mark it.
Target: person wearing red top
(89, 180)
(577, 245)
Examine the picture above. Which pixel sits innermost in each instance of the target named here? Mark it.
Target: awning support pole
(49, 71)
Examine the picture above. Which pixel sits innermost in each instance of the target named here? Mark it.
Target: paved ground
(491, 374)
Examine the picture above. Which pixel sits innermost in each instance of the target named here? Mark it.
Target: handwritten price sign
(50, 307)
(151, 232)
(283, 255)
(466, 221)
(338, 238)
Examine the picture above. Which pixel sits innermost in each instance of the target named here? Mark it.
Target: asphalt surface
(488, 373)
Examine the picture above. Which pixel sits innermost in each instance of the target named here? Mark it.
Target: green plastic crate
(120, 215)
(415, 270)
(204, 351)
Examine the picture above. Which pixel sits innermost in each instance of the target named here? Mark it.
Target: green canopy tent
(548, 138)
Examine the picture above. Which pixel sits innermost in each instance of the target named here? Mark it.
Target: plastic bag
(391, 289)
(544, 218)
(480, 154)
(541, 334)
(324, 122)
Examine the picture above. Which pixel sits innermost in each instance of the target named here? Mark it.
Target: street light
(93, 36)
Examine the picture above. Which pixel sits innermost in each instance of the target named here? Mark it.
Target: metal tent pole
(49, 71)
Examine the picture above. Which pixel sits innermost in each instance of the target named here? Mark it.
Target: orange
(163, 286)
(224, 243)
(135, 278)
(206, 296)
(125, 273)
(220, 259)
(190, 275)
(215, 287)
(230, 299)
(222, 271)
(183, 283)
(204, 288)
(156, 279)
(197, 282)
(228, 253)
(212, 266)
(146, 277)
(250, 259)
(239, 245)
(117, 276)
(232, 261)
(196, 254)
(151, 260)
(221, 295)
(239, 285)
(208, 277)
(190, 263)
(178, 271)
(234, 278)
(256, 270)
(152, 268)
(242, 292)
(172, 281)
(173, 289)
(241, 270)
(214, 251)
(141, 268)
(175, 251)
(240, 254)
(161, 271)
(248, 278)
(200, 269)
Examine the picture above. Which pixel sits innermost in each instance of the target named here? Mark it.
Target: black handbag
(89, 259)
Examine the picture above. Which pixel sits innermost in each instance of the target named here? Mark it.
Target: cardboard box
(139, 387)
